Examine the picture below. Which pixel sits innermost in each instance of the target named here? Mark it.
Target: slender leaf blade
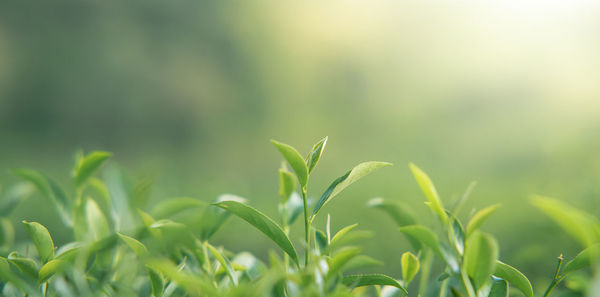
(261, 222)
(515, 277)
(479, 218)
(295, 160)
(361, 280)
(430, 192)
(86, 166)
(315, 154)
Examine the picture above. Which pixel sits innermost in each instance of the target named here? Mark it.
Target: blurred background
(188, 94)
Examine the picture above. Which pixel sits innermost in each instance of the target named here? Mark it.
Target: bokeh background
(189, 93)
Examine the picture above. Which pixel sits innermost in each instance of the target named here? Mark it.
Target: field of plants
(122, 247)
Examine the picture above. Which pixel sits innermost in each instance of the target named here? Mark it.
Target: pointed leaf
(362, 261)
(224, 263)
(423, 235)
(212, 218)
(26, 265)
(347, 179)
(480, 257)
(96, 221)
(315, 154)
(430, 192)
(295, 160)
(138, 248)
(156, 282)
(456, 235)
(362, 280)
(86, 166)
(515, 277)
(172, 206)
(51, 268)
(340, 259)
(341, 234)
(263, 223)
(584, 259)
(410, 267)
(41, 240)
(499, 288)
(399, 212)
(479, 218)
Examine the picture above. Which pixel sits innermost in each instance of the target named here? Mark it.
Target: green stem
(425, 271)
(307, 222)
(556, 278)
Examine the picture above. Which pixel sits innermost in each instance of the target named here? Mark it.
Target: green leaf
(347, 179)
(410, 267)
(499, 288)
(156, 282)
(294, 207)
(50, 190)
(581, 225)
(423, 235)
(51, 268)
(430, 192)
(481, 255)
(456, 235)
(295, 160)
(224, 263)
(26, 265)
(479, 217)
(340, 259)
(362, 261)
(96, 221)
(315, 154)
(263, 223)
(213, 218)
(7, 232)
(138, 248)
(341, 234)
(361, 280)
(41, 240)
(13, 196)
(584, 259)
(515, 277)
(86, 166)
(173, 206)
(399, 212)
(287, 184)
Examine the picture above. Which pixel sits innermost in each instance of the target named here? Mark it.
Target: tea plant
(119, 249)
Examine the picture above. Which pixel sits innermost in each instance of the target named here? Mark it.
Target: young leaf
(41, 240)
(430, 192)
(156, 282)
(584, 259)
(499, 288)
(287, 184)
(479, 217)
(212, 218)
(340, 259)
(581, 225)
(410, 267)
(515, 277)
(172, 206)
(423, 235)
(51, 268)
(362, 280)
(26, 265)
(138, 248)
(480, 257)
(340, 234)
(263, 223)
(347, 179)
(224, 263)
(86, 166)
(295, 160)
(362, 261)
(96, 221)
(315, 154)
(456, 235)
(399, 212)
(50, 190)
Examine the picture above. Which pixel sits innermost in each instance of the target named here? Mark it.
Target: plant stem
(306, 227)
(556, 278)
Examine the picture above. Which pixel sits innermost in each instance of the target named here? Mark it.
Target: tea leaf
(172, 206)
(51, 268)
(287, 184)
(515, 277)
(430, 192)
(480, 257)
(212, 218)
(410, 267)
(584, 259)
(456, 235)
(315, 154)
(499, 288)
(479, 218)
(263, 223)
(86, 166)
(295, 160)
(138, 248)
(41, 240)
(224, 263)
(399, 212)
(340, 234)
(423, 235)
(347, 179)
(340, 259)
(361, 280)
(156, 281)
(26, 265)
(96, 221)
(579, 224)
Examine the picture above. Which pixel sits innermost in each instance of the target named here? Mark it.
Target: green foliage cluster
(120, 249)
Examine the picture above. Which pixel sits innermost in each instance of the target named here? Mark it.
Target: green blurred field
(188, 94)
